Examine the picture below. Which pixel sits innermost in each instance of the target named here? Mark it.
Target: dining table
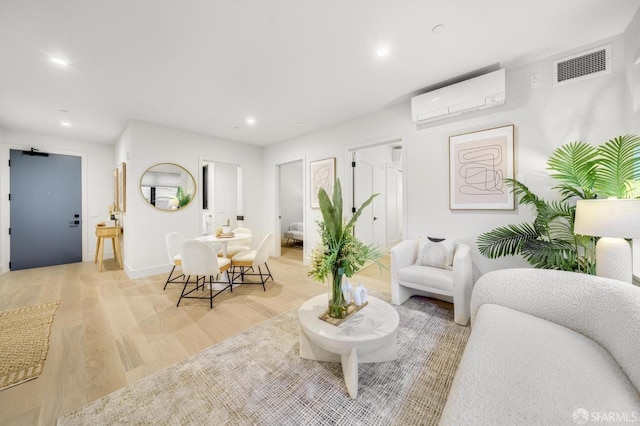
(223, 241)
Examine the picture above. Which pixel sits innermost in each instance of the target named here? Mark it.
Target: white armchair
(294, 232)
(453, 284)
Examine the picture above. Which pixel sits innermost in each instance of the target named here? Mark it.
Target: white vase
(359, 295)
(347, 291)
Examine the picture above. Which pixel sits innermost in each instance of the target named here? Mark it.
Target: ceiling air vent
(582, 65)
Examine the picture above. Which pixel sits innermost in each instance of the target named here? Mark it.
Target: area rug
(24, 342)
(257, 377)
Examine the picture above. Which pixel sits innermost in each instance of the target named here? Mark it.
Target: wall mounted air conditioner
(485, 91)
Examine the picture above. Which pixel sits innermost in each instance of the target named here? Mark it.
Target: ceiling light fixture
(382, 52)
(59, 61)
(250, 121)
(438, 29)
(64, 121)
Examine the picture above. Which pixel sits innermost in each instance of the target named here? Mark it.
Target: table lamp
(612, 220)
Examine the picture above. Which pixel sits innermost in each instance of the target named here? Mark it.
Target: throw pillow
(435, 252)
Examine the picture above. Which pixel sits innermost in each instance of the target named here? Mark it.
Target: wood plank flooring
(110, 331)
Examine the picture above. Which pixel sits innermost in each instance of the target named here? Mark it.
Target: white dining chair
(254, 259)
(199, 259)
(173, 242)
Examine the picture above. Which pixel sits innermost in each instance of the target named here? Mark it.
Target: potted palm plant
(339, 253)
(584, 172)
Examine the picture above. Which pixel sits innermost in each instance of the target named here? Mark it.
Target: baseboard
(146, 272)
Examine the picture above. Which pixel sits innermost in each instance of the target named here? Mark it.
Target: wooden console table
(114, 233)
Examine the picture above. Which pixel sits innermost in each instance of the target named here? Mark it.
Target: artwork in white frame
(479, 163)
(323, 175)
(121, 171)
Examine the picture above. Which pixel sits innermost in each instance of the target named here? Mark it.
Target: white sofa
(548, 347)
(294, 232)
(453, 283)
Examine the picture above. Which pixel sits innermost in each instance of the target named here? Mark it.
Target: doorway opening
(290, 210)
(221, 196)
(378, 168)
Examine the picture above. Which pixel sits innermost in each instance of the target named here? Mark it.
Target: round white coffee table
(370, 335)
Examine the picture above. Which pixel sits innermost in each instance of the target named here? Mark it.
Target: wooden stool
(112, 232)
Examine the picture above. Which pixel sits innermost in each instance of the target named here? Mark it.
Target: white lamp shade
(608, 218)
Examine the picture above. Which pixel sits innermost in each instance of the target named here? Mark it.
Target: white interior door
(363, 188)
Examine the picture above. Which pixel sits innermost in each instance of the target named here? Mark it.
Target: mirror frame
(180, 170)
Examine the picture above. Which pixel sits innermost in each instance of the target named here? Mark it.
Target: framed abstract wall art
(323, 175)
(122, 186)
(115, 190)
(479, 162)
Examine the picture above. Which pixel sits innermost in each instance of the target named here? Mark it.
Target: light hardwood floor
(110, 331)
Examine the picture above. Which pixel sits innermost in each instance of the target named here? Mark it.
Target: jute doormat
(24, 342)
(257, 377)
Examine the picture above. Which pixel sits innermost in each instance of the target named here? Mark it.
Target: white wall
(97, 184)
(592, 110)
(143, 145)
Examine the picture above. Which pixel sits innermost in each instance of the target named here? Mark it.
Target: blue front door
(45, 212)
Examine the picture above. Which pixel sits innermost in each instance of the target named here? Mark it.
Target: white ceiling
(204, 66)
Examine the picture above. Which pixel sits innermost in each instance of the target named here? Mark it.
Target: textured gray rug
(257, 377)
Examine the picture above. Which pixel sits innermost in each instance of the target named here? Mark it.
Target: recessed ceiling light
(382, 52)
(250, 121)
(438, 29)
(299, 123)
(64, 120)
(59, 61)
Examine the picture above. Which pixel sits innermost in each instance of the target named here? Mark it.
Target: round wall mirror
(167, 186)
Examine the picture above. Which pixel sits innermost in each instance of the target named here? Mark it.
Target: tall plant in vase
(339, 253)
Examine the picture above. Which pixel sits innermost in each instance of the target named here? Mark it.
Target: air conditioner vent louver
(582, 65)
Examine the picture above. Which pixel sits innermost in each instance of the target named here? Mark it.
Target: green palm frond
(574, 165)
(561, 228)
(358, 212)
(554, 254)
(632, 188)
(522, 192)
(505, 240)
(331, 212)
(618, 164)
(553, 210)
